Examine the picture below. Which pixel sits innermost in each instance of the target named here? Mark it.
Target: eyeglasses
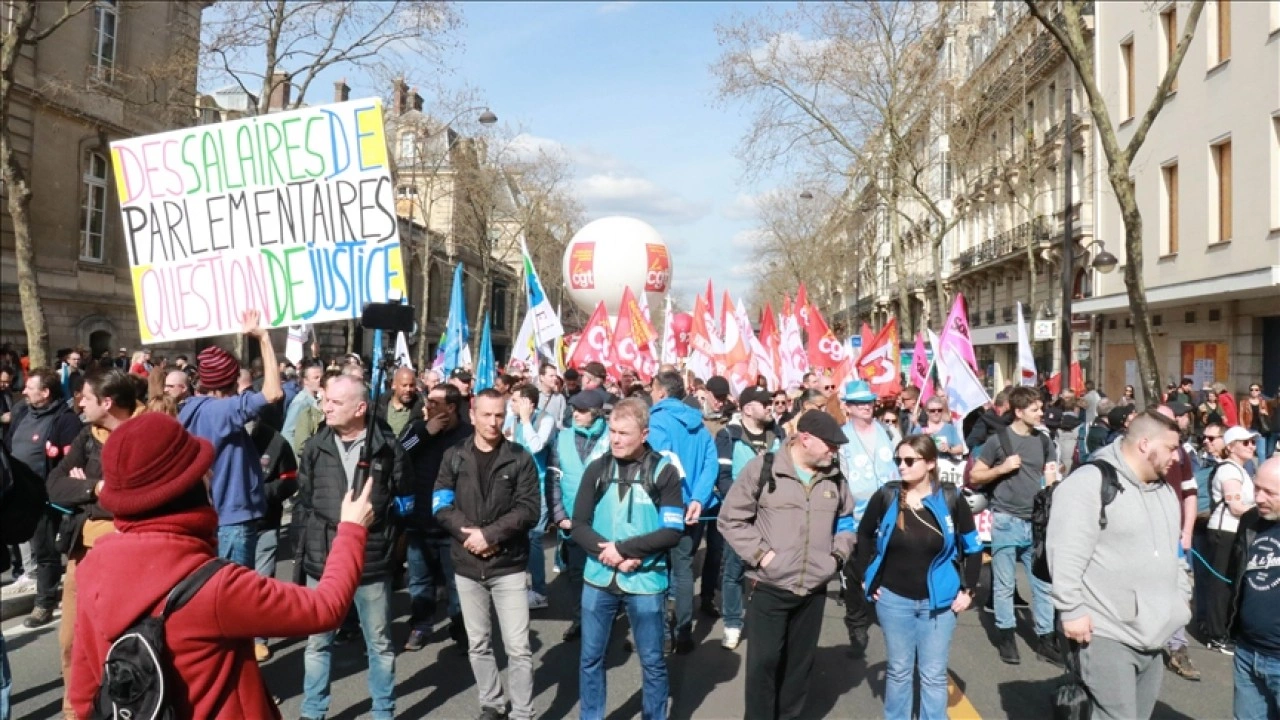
(828, 387)
(934, 410)
(1250, 442)
(908, 461)
(1255, 389)
(1212, 437)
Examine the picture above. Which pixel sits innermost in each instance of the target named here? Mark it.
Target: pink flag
(919, 363)
(955, 334)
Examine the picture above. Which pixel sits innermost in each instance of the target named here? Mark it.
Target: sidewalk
(17, 599)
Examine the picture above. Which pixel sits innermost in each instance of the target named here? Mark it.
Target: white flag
(944, 375)
(1026, 360)
(965, 392)
(523, 351)
(795, 359)
(295, 343)
(546, 322)
(402, 352)
(669, 355)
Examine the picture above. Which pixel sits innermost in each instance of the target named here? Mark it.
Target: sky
(626, 88)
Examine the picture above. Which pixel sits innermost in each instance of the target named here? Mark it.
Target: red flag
(596, 344)
(786, 306)
(802, 311)
(1054, 383)
(878, 364)
(919, 363)
(631, 340)
(711, 300)
(825, 349)
(768, 328)
(726, 314)
(867, 335)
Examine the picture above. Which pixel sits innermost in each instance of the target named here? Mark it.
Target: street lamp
(487, 117)
(806, 195)
(1104, 262)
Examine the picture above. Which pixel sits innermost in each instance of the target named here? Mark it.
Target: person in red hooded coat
(154, 483)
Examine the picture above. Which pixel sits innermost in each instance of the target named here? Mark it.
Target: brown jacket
(805, 526)
(1246, 415)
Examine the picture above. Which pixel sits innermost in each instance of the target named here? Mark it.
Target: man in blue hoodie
(219, 415)
(677, 430)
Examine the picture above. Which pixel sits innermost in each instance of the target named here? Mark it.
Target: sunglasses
(1250, 442)
(1212, 437)
(934, 410)
(1255, 389)
(828, 387)
(908, 461)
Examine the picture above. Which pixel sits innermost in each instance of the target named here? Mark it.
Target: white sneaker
(732, 637)
(537, 601)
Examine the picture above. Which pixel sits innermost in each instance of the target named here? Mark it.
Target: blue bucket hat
(857, 391)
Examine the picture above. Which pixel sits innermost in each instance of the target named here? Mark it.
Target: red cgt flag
(631, 340)
(825, 349)
(596, 343)
(878, 364)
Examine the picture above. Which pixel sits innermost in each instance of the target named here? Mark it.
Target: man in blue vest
(575, 448)
(628, 513)
(677, 428)
(534, 430)
(749, 434)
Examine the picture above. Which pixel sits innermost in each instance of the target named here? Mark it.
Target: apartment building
(116, 70)
(1208, 186)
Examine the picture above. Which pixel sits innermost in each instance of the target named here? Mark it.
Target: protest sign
(291, 213)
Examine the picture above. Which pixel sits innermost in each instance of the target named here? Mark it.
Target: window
(1169, 20)
(93, 226)
(105, 21)
(499, 302)
(1222, 169)
(946, 174)
(1224, 30)
(1031, 120)
(1052, 103)
(1126, 78)
(408, 148)
(1170, 231)
(407, 191)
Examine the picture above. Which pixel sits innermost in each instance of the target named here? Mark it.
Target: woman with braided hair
(919, 552)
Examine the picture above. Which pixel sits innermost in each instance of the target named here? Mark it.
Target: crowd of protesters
(153, 468)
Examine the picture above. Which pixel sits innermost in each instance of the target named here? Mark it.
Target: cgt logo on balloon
(659, 268)
(582, 266)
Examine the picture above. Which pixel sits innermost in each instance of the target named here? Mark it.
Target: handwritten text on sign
(291, 213)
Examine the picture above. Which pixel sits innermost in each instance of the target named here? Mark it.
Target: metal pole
(1068, 248)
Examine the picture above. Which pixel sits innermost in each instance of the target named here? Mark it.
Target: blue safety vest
(572, 465)
(633, 515)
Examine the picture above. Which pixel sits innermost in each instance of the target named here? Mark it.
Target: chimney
(280, 90)
(400, 96)
(417, 101)
(341, 92)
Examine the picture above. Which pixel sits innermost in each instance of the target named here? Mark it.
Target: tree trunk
(1144, 348)
(899, 266)
(33, 318)
(482, 306)
(936, 317)
(424, 312)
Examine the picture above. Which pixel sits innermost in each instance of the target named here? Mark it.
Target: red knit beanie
(217, 368)
(150, 461)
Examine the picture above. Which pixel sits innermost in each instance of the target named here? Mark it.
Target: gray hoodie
(1128, 578)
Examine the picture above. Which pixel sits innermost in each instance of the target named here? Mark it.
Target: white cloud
(747, 239)
(612, 8)
(611, 193)
(788, 47)
(583, 159)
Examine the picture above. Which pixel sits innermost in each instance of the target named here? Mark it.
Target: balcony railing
(1005, 244)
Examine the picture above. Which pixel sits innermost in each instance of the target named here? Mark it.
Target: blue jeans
(915, 635)
(681, 587)
(537, 566)
(264, 559)
(373, 605)
(1011, 544)
(6, 681)
(239, 543)
(421, 550)
(574, 561)
(731, 579)
(1257, 679)
(647, 625)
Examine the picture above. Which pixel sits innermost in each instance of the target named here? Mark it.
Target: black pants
(44, 550)
(857, 611)
(1218, 599)
(711, 563)
(782, 636)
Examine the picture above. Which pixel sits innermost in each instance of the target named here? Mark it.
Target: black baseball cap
(822, 426)
(595, 369)
(588, 400)
(460, 374)
(755, 394)
(718, 386)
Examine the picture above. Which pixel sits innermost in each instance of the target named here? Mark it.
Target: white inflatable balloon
(612, 253)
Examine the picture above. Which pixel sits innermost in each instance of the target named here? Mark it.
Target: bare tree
(836, 88)
(23, 34)
(1069, 31)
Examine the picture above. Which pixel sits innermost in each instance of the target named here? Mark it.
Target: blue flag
(456, 333)
(486, 366)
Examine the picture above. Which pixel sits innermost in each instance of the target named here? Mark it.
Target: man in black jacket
(430, 567)
(487, 498)
(1254, 623)
(327, 472)
(40, 435)
(279, 483)
(109, 398)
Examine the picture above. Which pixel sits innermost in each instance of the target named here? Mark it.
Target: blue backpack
(1204, 489)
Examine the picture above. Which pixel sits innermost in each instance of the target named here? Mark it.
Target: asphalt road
(436, 682)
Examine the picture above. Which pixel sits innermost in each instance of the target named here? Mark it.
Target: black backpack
(1043, 505)
(23, 500)
(769, 482)
(138, 670)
